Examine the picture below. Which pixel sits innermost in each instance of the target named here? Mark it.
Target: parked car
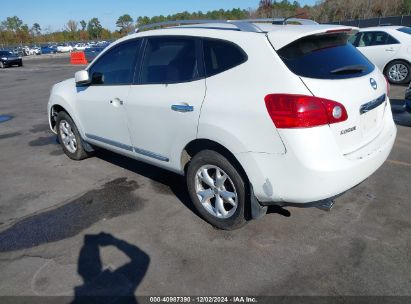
(8, 58)
(253, 115)
(80, 47)
(47, 49)
(388, 47)
(93, 51)
(64, 48)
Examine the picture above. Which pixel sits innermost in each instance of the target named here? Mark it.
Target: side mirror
(82, 77)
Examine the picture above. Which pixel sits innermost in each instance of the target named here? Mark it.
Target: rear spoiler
(282, 37)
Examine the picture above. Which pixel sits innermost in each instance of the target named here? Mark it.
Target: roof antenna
(284, 22)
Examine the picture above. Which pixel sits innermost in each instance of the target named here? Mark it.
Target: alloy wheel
(398, 72)
(216, 191)
(67, 136)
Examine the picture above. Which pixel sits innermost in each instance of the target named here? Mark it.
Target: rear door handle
(389, 50)
(182, 108)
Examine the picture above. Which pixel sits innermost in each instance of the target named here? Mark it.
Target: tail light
(388, 86)
(301, 111)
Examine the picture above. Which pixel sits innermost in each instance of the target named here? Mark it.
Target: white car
(80, 47)
(252, 114)
(389, 48)
(64, 48)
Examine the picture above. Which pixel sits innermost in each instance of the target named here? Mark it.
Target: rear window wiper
(349, 69)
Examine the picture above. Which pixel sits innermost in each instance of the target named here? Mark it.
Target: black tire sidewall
(80, 153)
(209, 157)
(387, 69)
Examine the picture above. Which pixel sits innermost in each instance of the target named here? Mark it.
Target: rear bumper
(314, 169)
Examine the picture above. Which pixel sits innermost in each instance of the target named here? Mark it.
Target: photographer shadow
(107, 285)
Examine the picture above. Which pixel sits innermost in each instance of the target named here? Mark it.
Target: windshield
(406, 30)
(328, 56)
(6, 53)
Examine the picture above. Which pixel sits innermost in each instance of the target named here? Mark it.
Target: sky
(56, 13)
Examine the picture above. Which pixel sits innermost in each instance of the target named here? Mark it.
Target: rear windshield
(328, 56)
(406, 30)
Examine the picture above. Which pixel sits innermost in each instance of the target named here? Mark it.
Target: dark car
(408, 99)
(93, 51)
(8, 58)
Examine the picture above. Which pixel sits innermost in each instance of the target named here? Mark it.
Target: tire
(398, 72)
(229, 215)
(20, 64)
(69, 137)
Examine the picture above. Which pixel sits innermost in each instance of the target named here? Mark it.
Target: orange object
(78, 58)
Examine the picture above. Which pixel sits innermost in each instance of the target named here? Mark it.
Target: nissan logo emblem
(373, 83)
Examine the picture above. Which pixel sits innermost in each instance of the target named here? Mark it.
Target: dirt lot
(118, 226)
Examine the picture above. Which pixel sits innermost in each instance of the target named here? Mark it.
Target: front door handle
(182, 108)
(389, 50)
(116, 102)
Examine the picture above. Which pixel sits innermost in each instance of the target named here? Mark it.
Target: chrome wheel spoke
(205, 195)
(220, 178)
(229, 197)
(64, 128)
(219, 207)
(206, 178)
(66, 140)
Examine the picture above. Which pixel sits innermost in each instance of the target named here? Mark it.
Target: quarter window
(220, 56)
(116, 67)
(169, 60)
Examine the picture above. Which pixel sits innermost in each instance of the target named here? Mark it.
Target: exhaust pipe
(325, 205)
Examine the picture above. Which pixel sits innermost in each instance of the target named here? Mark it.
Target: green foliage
(14, 31)
(36, 29)
(125, 23)
(83, 25)
(94, 28)
(233, 14)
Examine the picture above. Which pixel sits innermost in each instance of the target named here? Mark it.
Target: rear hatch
(332, 68)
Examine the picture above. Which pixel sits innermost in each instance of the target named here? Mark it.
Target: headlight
(3, 58)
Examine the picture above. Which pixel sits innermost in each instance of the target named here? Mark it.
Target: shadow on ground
(114, 199)
(109, 285)
(164, 181)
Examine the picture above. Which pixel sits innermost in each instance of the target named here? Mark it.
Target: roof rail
(244, 25)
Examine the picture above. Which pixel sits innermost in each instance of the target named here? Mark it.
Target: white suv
(252, 114)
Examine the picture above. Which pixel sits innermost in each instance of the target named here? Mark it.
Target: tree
(13, 23)
(36, 29)
(94, 28)
(125, 23)
(71, 26)
(83, 25)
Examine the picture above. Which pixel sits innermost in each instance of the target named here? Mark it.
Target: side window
(221, 55)
(169, 60)
(366, 39)
(376, 38)
(391, 40)
(116, 67)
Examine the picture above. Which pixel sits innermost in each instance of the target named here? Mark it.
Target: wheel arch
(253, 208)
(200, 144)
(58, 105)
(396, 59)
(54, 110)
